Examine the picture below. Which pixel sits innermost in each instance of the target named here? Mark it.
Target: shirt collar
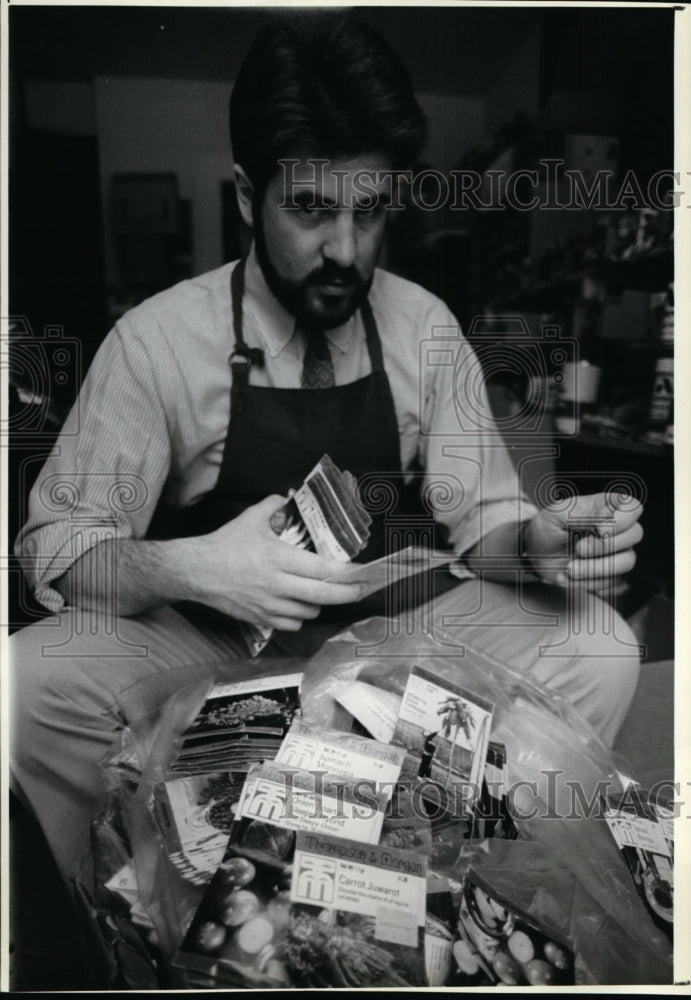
(274, 324)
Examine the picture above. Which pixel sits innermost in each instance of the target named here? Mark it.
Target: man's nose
(339, 245)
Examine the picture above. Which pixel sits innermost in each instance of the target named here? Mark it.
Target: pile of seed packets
(327, 877)
(306, 893)
(238, 725)
(327, 514)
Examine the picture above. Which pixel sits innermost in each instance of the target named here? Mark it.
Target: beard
(308, 299)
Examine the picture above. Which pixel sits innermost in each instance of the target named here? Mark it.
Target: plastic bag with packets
(614, 936)
(557, 766)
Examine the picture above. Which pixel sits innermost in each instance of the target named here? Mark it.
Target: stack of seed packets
(195, 815)
(445, 731)
(327, 506)
(643, 828)
(325, 515)
(238, 724)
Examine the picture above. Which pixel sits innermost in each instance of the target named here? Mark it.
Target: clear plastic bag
(557, 767)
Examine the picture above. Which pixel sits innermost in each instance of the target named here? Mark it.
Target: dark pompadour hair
(321, 83)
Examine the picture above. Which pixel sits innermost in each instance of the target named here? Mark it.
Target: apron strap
(241, 356)
(372, 336)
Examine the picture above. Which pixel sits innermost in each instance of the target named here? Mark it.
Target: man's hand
(590, 543)
(244, 570)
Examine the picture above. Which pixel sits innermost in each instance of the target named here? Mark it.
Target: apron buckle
(244, 355)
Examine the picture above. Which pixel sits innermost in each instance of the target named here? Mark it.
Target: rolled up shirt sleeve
(470, 481)
(105, 475)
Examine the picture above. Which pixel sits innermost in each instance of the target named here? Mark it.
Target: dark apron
(276, 436)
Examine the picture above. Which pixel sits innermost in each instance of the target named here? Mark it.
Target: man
(208, 402)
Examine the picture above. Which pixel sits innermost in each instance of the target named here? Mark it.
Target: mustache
(330, 273)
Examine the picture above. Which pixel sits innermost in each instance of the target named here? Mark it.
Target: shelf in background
(654, 268)
(590, 439)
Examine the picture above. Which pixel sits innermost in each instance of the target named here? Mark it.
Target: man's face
(318, 232)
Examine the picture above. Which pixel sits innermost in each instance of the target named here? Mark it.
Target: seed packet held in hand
(324, 515)
(357, 915)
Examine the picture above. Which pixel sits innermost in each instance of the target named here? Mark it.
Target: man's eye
(370, 210)
(312, 208)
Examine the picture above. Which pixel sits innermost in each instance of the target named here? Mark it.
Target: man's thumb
(272, 508)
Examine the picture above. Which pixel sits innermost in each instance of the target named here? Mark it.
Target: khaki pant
(78, 677)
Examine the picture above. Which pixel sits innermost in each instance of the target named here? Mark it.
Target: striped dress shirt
(152, 415)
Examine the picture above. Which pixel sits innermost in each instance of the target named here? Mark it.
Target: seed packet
(195, 815)
(375, 709)
(445, 730)
(440, 921)
(643, 828)
(497, 943)
(325, 515)
(357, 915)
(314, 748)
(294, 799)
(330, 507)
(237, 936)
(239, 723)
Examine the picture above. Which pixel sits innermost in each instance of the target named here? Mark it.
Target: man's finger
(263, 511)
(288, 608)
(603, 514)
(302, 563)
(313, 591)
(603, 567)
(610, 539)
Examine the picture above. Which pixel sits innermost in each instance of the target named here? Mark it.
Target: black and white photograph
(436, 253)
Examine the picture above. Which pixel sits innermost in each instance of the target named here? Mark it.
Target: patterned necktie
(317, 367)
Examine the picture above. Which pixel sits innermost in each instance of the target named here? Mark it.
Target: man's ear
(245, 193)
